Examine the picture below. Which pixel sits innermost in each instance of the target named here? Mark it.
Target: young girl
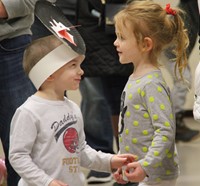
(147, 124)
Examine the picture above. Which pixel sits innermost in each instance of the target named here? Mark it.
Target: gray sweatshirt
(147, 126)
(20, 18)
(47, 142)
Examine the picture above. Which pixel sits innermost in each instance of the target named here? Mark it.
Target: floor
(189, 154)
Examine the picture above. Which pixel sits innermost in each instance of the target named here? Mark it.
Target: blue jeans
(15, 88)
(96, 115)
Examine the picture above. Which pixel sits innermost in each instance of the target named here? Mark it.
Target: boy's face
(68, 77)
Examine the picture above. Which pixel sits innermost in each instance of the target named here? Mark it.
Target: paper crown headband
(73, 45)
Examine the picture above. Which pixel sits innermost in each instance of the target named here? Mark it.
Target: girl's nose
(115, 42)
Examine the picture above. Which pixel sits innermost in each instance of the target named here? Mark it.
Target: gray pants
(180, 88)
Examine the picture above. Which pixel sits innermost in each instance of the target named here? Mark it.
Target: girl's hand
(134, 172)
(119, 160)
(57, 183)
(119, 177)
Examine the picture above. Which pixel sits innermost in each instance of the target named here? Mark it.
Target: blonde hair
(37, 50)
(149, 19)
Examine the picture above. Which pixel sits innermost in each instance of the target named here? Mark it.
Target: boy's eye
(73, 64)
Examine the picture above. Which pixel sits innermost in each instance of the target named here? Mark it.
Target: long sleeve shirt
(47, 142)
(147, 126)
(20, 18)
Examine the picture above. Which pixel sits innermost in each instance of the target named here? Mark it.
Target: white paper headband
(51, 63)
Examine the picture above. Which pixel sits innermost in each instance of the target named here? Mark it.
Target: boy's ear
(50, 78)
(147, 44)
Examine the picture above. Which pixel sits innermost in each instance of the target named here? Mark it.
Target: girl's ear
(147, 44)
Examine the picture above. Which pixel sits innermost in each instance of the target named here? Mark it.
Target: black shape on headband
(54, 20)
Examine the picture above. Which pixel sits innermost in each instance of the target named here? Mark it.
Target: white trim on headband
(51, 63)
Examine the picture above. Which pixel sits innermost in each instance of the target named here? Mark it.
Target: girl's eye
(120, 37)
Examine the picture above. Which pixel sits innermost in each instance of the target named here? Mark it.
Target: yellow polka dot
(153, 144)
(139, 90)
(142, 93)
(150, 76)
(128, 114)
(151, 99)
(169, 154)
(167, 151)
(159, 164)
(155, 117)
(171, 116)
(167, 124)
(130, 96)
(144, 149)
(159, 89)
(135, 123)
(145, 132)
(168, 172)
(158, 179)
(127, 148)
(127, 131)
(164, 138)
(156, 153)
(138, 81)
(158, 130)
(156, 75)
(162, 106)
(145, 164)
(134, 140)
(136, 158)
(129, 86)
(120, 139)
(137, 107)
(146, 115)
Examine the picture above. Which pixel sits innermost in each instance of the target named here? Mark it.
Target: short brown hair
(37, 50)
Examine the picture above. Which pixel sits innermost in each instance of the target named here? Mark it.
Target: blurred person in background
(16, 18)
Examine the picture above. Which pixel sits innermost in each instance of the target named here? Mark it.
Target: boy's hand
(134, 172)
(119, 160)
(57, 183)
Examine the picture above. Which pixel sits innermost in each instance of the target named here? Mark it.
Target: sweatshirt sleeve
(22, 137)
(95, 160)
(92, 159)
(20, 8)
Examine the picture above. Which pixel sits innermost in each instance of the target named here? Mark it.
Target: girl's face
(126, 45)
(69, 76)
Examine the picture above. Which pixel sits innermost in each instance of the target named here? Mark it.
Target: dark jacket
(101, 56)
(191, 20)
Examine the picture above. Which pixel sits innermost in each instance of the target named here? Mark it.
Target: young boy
(47, 140)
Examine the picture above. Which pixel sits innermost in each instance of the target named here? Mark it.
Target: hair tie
(170, 10)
